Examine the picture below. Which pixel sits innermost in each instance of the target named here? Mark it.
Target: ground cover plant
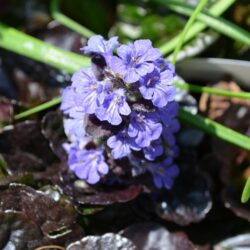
(124, 124)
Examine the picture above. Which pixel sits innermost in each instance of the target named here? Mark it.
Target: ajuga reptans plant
(128, 93)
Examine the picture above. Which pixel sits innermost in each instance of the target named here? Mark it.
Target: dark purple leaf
(53, 130)
(109, 241)
(25, 149)
(108, 198)
(189, 200)
(54, 218)
(19, 232)
(155, 237)
(241, 241)
(235, 170)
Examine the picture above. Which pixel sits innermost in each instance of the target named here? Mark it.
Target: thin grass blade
(246, 191)
(215, 129)
(218, 8)
(217, 23)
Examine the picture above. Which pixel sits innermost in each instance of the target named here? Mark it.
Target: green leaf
(216, 10)
(215, 129)
(217, 23)
(23, 44)
(246, 191)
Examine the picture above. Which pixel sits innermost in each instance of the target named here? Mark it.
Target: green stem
(36, 49)
(187, 27)
(66, 21)
(215, 129)
(38, 108)
(212, 91)
(216, 10)
(217, 23)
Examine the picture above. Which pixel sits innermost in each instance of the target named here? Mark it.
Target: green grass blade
(246, 191)
(217, 23)
(216, 9)
(66, 21)
(187, 27)
(215, 129)
(212, 91)
(39, 108)
(23, 44)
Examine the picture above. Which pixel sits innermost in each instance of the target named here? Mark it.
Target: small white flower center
(94, 86)
(134, 59)
(141, 118)
(117, 99)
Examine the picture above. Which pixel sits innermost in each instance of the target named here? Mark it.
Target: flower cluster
(131, 90)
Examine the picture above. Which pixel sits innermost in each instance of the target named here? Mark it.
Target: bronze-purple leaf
(147, 236)
(54, 218)
(109, 241)
(52, 129)
(19, 232)
(25, 149)
(188, 202)
(108, 198)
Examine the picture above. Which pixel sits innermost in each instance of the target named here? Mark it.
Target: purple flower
(154, 150)
(163, 65)
(169, 130)
(97, 44)
(171, 125)
(158, 87)
(122, 145)
(144, 127)
(164, 173)
(88, 165)
(68, 100)
(168, 113)
(135, 60)
(113, 107)
(74, 128)
(90, 92)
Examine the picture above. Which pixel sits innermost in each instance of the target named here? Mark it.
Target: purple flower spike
(164, 173)
(144, 127)
(113, 107)
(122, 145)
(154, 150)
(88, 165)
(135, 60)
(158, 87)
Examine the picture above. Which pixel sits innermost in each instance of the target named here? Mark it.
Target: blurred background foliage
(129, 19)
